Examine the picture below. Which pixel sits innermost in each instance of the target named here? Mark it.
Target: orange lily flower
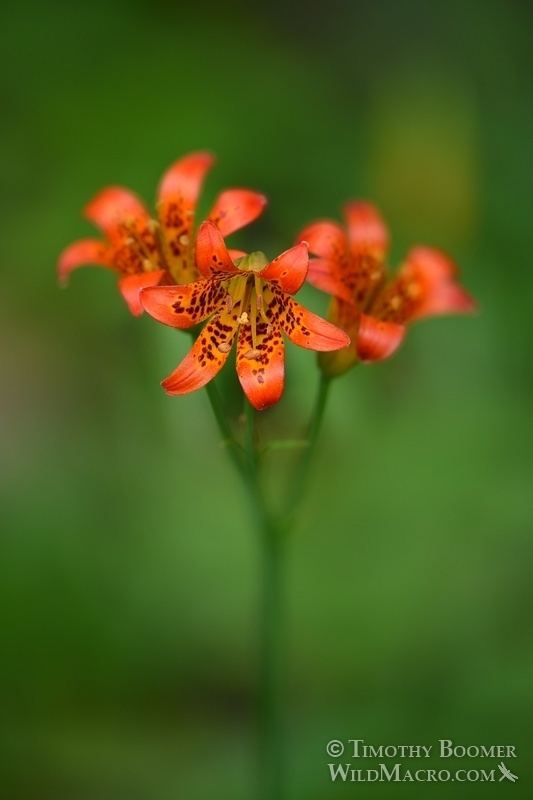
(248, 300)
(371, 306)
(142, 250)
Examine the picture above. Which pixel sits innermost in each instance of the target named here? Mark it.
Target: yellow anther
(396, 302)
(413, 290)
(243, 319)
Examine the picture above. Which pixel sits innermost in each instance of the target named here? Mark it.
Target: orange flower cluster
(183, 274)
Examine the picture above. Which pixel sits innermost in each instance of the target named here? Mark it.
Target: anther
(243, 319)
(224, 347)
(252, 354)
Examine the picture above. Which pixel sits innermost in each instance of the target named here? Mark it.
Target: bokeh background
(129, 570)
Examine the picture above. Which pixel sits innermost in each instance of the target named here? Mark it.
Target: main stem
(272, 671)
(273, 533)
(270, 689)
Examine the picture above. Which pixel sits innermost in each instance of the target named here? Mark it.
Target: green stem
(235, 451)
(303, 468)
(271, 672)
(272, 532)
(272, 668)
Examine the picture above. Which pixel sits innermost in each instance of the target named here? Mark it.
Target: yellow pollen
(395, 302)
(243, 319)
(413, 290)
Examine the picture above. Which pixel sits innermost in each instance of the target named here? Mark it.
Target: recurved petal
(177, 198)
(206, 357)
(307, 329)
(376, 339)
(236, 208)
(212, 255)
(326, 239)
(132, 285)
(261, 368)
(185, 305)
(367, 232)
(82, 253)
(114, 209)
(323, 274)
(182, 182)
(426, 285)
(288, 270)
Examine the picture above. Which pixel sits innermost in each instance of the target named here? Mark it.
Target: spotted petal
(302, 326)
(323, 274)
(425, 286)
(288, 270)
(212, 255)
(115, 210)
(178, 195)
(439, 291)
(261, 364)
(367, 232)
(377, 339)
(185, 305)
(326, 239)
(82, 253)
(236, 208)
(131, 287)
(206, 357)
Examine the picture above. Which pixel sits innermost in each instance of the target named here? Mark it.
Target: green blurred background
(129, 569)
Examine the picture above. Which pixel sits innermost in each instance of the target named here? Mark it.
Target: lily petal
(212, 255)
(302, 326)
(177, 198)
(324, 275)
(131, 286)
(440, 292)
(206, 358)
(115, 209)
(367, 232)
(82, 253)
(425, 286)
(376, 339)
(326, 239)
(261, 369)
(236, 208)
(185, 305)
(288, 270)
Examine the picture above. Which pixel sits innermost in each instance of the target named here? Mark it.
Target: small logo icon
(506, 773)
(335, 749)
